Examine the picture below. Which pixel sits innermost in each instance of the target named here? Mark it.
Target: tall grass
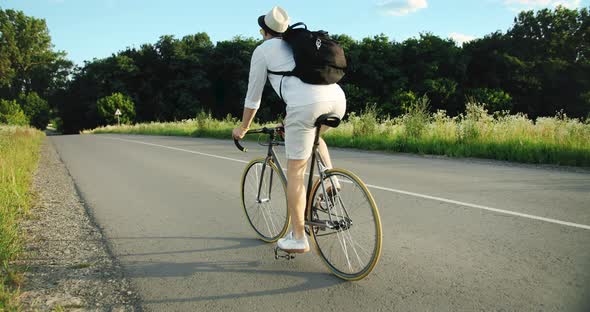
(19, 155)
(202, 126)
(476, 133)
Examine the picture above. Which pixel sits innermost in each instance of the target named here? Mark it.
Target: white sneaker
(289, 244)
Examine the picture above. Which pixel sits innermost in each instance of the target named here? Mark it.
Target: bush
(417, 117)
(366, 123)
(204, 120)
(12, 114)
(474, 122)
(35, 108)
(404, 100)
(494, 99)
(107, 106)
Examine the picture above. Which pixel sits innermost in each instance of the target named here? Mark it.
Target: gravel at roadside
(67, 260)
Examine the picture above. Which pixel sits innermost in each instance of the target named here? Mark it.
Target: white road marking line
(445, 200)
(450, 201)
(180, 149)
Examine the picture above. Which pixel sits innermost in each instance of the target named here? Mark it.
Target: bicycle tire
(274, 211)
(347, 227)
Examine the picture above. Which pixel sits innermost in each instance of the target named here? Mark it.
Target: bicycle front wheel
(345, 224)
(264, 199)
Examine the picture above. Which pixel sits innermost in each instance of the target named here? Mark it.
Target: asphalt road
(458, 235)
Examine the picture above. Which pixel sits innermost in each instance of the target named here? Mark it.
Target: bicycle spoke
(345, 250)
(347, 233)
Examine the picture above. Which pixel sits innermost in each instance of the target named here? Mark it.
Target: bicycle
(330, 211)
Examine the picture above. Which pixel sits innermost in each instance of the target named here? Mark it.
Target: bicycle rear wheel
(264, 199)
(345, 225)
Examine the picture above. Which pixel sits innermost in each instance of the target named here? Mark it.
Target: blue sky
(86, 29)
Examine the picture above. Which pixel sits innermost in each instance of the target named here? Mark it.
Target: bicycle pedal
(281, 254)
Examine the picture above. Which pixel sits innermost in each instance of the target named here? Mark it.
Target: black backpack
(318, 58)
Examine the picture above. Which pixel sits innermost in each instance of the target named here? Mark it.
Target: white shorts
(300, 129)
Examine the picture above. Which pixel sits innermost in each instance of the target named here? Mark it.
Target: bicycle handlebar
(264, 130)
(239, 146)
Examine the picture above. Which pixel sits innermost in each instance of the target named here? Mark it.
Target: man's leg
(323, 149)
(296, 195)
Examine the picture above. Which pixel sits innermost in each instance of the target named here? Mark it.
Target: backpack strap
(281, 73)
(286, 73)
(289, 73)
(297, 24)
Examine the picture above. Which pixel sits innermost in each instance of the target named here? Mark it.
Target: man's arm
(256, 81)
(247, 117)
(249, 113)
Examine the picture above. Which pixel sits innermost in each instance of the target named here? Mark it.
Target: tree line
(539, 66)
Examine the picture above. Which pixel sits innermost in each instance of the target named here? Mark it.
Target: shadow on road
(241, 242)
(165, 269)
(311, 281)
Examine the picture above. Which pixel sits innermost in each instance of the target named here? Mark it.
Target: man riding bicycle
(305, 103)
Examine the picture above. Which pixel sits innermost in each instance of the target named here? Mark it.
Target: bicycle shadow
(167, 269)
(311, 280)
(241, 242)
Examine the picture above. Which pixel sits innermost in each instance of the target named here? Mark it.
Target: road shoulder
(67, 259)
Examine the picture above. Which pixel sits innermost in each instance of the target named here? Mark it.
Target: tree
(558, 33)
(357, 98)
(441, 91)
(107, 107)
(27, 61)
(12, 114)
(553, 45)
(434, 67)
(228, 73)
(539, 66)
(375, 67)
(189, 89)
(542, 62)
(35, 108)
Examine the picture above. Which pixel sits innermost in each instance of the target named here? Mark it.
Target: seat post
(330, 120)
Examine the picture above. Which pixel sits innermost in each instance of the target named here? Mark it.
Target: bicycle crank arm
(281, 254)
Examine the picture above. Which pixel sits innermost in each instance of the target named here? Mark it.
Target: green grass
(549, 140)
(19, 155)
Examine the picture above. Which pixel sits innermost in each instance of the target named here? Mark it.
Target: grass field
(19, 155)
(549, 140)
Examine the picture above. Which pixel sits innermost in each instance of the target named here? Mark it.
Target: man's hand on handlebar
(281, 132)
(239, 133)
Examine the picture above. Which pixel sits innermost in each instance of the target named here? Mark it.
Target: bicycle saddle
(330, 120)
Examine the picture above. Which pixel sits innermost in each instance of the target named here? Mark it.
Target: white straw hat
(277, 21)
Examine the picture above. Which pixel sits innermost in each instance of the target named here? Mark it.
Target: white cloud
(401, 7)
(537, 4)
(460, 38)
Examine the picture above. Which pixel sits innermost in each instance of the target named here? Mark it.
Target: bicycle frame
(316, 160)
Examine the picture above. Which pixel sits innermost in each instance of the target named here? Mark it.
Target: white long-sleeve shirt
(276, 55)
